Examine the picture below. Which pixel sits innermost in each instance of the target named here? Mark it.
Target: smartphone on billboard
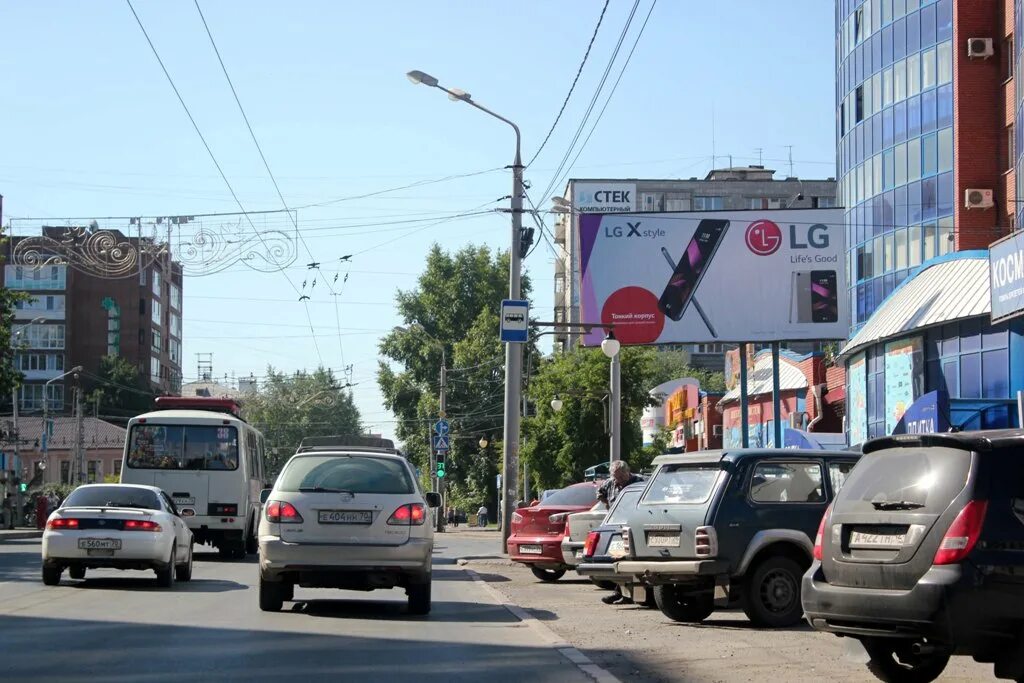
(824, 296)
(800, 301)
(691, 268)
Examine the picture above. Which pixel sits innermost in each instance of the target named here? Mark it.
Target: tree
(670, 365)
(10, 378)
(288, 408)
(120, 388)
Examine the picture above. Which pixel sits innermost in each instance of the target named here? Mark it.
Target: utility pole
(79, 435)
(513, 361)
(19, 513)
(443, 401)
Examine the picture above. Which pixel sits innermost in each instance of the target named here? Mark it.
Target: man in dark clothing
(620, 478)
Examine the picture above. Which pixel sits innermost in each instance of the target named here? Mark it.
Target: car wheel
(51, 574)
(894, 661)
(183, 572)
(271, 596)
(604, 585)
(419, 598)
(165, 575)
(678, 604)
(288, 591)
(772, 595)
(252, 545)
(548, 575)
(76, 572)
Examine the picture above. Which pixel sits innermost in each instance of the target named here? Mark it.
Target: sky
(90, 127)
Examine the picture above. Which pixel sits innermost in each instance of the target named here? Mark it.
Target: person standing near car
(481, 516)
(620, 477)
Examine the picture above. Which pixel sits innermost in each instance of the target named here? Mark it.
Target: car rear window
(353, 474)
(687, 484)
(929, 477)
(573, 496)
(624, 503)
(113, 496)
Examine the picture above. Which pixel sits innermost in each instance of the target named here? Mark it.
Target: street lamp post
(513, 352)
(610, 347)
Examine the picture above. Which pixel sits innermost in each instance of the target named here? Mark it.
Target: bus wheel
(251, 544)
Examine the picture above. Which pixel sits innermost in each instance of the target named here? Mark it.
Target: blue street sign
(515, 320)
(441, 427)
(442, 442)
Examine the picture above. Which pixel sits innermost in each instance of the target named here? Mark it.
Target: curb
(19, 535)
(580, 660)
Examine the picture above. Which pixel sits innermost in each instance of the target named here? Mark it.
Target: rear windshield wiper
(896, 505)
(322, 489)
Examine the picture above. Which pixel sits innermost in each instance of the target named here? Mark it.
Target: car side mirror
(264, 495)
(433, 499)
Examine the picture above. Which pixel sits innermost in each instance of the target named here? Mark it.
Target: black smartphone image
(691, 267)
(824, 297)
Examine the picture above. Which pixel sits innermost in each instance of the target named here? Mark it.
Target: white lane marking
(580, 660)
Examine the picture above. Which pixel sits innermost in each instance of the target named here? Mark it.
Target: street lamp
(556, 404)
(482, 443)
(610, 347)
(513, 351)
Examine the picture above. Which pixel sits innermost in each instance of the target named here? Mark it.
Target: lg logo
(764, 237)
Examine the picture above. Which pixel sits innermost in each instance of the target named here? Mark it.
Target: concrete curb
(580, 660)
(19, 535)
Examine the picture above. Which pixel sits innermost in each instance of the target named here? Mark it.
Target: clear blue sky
(90, 127)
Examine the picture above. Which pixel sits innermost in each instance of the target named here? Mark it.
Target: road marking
(565, 648)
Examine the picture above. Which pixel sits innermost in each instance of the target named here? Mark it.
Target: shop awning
(949, 288)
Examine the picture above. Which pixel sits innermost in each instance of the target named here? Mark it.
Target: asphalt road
(118, 626)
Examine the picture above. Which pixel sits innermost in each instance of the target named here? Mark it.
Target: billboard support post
(744, 418)
(776, 396)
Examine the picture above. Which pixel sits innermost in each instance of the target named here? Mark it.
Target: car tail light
(818, 553)
(219, 509)
(412, 514)
(141, 525)
(591, 544)
(962, 534)
(705, 541)
(517, 518)
(62, 523)
(565, 532)
(282, 513)
(626, 540)
(558, 518)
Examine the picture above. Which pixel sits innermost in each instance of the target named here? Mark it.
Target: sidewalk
(19, 533)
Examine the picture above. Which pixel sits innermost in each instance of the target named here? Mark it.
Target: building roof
(96, 432)
(209, 388)
(944, 289)
(759, 382)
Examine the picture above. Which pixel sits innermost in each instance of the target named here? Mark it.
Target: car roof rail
(349, 443)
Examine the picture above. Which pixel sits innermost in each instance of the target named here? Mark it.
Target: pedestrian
(456, 513)
(8, 511)
(451, 516)
(481, 516)
(620, 477)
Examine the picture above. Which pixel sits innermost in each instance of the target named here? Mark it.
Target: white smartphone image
(800, 306)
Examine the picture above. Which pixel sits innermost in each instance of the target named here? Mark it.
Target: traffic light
(23, 487)
(440, 466)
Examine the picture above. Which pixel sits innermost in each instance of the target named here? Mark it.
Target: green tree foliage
(669, 365)
(119, 389)
(289, 407)
(10, 378)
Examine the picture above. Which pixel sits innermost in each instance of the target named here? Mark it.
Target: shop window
(995, 337)
(970, 335)
(951, 377)
(995, 374)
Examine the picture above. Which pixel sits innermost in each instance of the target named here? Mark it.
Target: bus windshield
(183, 447)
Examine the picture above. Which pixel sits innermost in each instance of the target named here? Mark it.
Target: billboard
(1006, 275)
(902, 371)
(718, 276)
(856, 400)
(604, 197)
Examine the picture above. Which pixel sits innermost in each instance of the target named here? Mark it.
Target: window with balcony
(30, 397)
(175, 325)
(708, 203)
(157, 312)
(157, 340)
(154, 369)
(38, 336)
(174, 350)
(156, 282)
(47, 303)
(41, 277)
(176, 296)
(33, 362)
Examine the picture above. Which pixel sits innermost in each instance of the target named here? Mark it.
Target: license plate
(616, 547)
(99, 544)
(346, 517)
(530, 550)
(184, 501)
(660, 539)
(877, 540)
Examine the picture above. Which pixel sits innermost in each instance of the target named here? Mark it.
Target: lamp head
(419, 77)
(610, 346)
(556, 404)
(483, 442)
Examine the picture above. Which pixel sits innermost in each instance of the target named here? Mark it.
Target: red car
(536, 534)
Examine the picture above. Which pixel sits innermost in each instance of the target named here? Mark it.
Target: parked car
(723, 528)
(348, 517)
(920, 556)
(536, 532)
(577, 526)
(607, 543)
(119, 526)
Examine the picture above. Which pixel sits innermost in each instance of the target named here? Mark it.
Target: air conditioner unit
(716, 430)
(980, 47)
(977, 198)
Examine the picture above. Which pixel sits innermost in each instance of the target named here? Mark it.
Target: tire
(51, 574)
(604, 585)
(76, 572)
(165, 575)
(252, 545)
(548, 575)
(419, 598)
(183, 572)
(271, 596)
(771, 597)
(893, 661)
(680, 605)
(288, 591)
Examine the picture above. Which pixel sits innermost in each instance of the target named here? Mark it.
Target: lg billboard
(720, 276)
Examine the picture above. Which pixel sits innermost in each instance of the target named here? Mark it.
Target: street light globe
(556, 404)
(482, 442)
(610, 346)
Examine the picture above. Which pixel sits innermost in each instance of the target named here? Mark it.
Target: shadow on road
(146, 584)
(20, 566)
(393, 610)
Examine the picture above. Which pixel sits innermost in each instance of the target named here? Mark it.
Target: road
(118, 626)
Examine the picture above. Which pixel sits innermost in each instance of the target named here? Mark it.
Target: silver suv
(353, 518)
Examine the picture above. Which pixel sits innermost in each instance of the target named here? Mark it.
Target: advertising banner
(1006, 275)
(902, 360)
(927, 415)
(604, 197)
(725, 276)
(856, 404)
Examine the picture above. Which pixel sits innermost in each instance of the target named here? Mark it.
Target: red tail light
(590, 545)
(963, 533)
(821, 533)
(565, 531)
(141, 525)
(282, 513)
(517, 518)
(413, 514)
(62, 523)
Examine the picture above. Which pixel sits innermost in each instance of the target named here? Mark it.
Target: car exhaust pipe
(926, 649)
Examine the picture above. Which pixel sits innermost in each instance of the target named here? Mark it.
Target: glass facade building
(894, 132)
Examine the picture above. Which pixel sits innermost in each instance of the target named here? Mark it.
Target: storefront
(930, 359)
